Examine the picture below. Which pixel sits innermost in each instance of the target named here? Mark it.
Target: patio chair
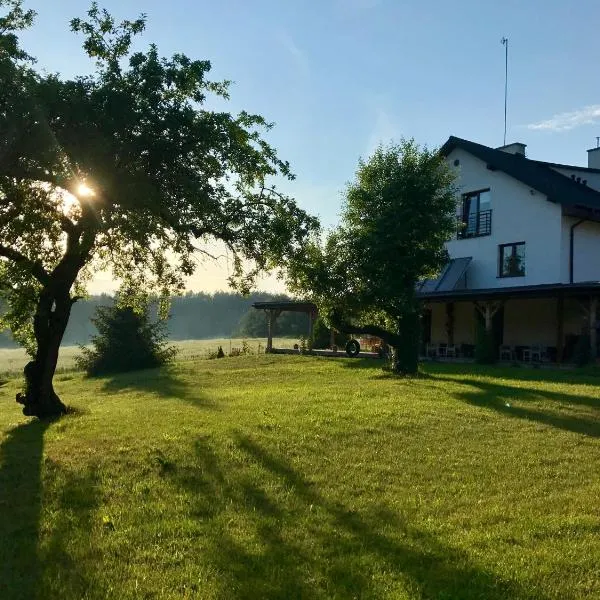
(506, 353)
(532, 354)
(451, 351)
(442, 350)
(432, 350)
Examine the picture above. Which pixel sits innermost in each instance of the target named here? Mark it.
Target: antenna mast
(504, 42)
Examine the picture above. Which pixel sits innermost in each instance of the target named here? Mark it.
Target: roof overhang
(551, 290)
(306, 307)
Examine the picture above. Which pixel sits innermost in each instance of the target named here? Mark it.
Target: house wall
(586, 251)
(518, 215)
(530, 322)
(464, 323)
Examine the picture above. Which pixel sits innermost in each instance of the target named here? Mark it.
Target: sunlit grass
(303, 477)
(12, 360)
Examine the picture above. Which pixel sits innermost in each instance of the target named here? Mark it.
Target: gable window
(475, 217)
(511, 260)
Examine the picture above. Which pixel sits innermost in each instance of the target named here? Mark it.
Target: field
(304, 477)
(12, 360)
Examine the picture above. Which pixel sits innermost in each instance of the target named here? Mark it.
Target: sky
(338, 77)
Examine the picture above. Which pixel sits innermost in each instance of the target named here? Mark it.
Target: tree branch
(36, 269)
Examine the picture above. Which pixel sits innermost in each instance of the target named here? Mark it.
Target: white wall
(586, 251)
(517, 216)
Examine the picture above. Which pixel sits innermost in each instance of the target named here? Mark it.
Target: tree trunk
(405, 352)
(404, 341)
(39, 398)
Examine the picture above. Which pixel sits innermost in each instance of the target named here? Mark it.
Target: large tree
(123, 169)
(398, 213)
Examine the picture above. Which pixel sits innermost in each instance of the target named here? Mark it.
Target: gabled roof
(539, 176)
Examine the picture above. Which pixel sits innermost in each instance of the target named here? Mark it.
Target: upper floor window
(475, 217)
(511, 260)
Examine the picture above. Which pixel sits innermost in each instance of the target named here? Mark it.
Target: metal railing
(475, 225)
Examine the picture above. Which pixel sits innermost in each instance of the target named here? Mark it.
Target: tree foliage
(398, 213)
(127, 340)
(123, 170)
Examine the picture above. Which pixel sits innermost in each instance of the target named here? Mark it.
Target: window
(475, 218)
(512, 260)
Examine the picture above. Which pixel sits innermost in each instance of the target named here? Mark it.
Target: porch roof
(290, 305)
(546, 290)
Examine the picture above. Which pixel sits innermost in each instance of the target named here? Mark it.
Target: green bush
(485, 347)
(127, 341)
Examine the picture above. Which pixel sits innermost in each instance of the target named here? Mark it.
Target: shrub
(485, 347)
(127, 341)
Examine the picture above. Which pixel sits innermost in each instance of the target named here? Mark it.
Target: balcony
(474, 225)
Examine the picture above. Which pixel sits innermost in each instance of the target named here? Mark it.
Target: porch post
(488, 310)
(272, 315)
(560, 326)
(310, 325)
(593, 333)
(269, 330)
(450, 322)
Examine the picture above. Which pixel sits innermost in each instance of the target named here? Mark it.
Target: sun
(85, 191)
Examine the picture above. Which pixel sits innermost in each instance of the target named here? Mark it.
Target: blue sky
(339, 76)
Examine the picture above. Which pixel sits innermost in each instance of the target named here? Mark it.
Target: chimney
(594, 156)
(514, 148)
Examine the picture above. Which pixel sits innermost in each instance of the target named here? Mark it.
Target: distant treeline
(193, 316)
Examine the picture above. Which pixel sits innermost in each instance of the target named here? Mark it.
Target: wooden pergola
(274, 309)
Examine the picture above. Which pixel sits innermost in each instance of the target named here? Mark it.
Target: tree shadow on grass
(301, 544)
(20, 509)
(163, 382)
(501, 398)
(69, 556)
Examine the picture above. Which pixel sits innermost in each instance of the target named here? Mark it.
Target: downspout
(571, 246)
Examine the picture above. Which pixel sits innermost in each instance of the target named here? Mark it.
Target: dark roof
(544, 290)
(287, 305)
(448, 279)
(570, 167)
(557, 187)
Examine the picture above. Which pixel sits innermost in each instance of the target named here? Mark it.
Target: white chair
(451, 351)
(506, 352)
(532, 354)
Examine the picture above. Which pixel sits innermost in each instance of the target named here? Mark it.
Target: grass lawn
(303, 477)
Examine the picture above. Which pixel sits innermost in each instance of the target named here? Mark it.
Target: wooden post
(310, 328)
(560, 326)
(488, 310)
(593, 333)
(269, 331)
(272, 315)
(450, 322)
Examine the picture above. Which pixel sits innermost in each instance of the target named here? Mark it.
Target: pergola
(274, 309)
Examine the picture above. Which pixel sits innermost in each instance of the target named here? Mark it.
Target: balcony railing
(474, 225)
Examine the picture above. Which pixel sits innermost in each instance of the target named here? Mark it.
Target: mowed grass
(12, 360)
(304, 477)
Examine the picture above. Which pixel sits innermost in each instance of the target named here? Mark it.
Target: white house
(525, 260)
